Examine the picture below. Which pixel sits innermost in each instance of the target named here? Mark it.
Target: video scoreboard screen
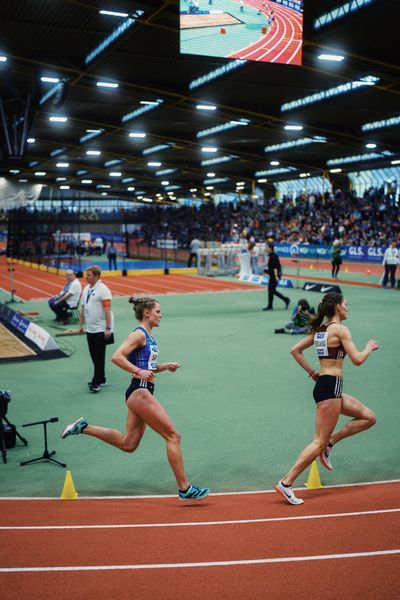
(261, 30)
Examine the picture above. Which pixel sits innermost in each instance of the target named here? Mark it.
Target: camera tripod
(2, 440)
(46, 454)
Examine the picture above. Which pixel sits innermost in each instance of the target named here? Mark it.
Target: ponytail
(326, 308)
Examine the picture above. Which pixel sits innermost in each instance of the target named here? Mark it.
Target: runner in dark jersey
(138, 356)
(332, 341)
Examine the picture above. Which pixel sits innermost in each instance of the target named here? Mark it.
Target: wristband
(108, 328)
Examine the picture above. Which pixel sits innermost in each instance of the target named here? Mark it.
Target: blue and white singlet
(146, 356)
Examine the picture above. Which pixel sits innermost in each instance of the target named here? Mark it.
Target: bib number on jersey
(321, 344)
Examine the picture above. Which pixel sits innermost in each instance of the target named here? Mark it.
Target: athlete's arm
(297, 353)
(356, 357)
(170, 366)
(136, 339)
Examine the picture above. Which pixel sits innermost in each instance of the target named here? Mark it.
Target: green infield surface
(243, 406)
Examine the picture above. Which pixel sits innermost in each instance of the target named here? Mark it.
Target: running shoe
(325, 458)
(74, 428)
(94, 388)
(288, 493)
(193, 493)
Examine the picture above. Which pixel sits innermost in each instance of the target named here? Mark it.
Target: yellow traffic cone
(311, 267)
(314, 481)
(346, 269)
(69, 492)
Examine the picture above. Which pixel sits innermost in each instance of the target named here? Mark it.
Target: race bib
(321, 344)
(152, 364)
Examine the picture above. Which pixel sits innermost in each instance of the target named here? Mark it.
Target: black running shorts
(139, 384)
(326, 387)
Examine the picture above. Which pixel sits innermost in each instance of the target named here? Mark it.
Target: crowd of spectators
(371, 220)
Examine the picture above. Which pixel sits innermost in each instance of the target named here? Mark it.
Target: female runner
(332, 342)
(138, 355)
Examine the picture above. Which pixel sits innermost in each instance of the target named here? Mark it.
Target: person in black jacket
(274, 271)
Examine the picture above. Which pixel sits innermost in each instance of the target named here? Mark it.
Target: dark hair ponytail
(141, 304)
(326, 308)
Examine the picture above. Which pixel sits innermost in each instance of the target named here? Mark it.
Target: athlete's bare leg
(155, 416)
(363, 418)
(127, 442)
(327, 416)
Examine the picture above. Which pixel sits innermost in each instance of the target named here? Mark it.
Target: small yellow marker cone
(69, 492)
(314, 481)
(311, 267)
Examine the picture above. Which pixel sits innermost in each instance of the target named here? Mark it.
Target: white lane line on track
(161, 496)
(199, 523)
(188, 565)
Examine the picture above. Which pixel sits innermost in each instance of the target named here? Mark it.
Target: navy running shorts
(139, 384)
(326, 387)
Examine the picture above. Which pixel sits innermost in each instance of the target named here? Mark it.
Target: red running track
(283, 43)
(342, 543)
(31, 284)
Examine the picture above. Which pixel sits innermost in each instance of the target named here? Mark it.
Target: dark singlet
(322, 348)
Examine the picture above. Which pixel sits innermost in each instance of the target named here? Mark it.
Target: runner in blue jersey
(138, 356)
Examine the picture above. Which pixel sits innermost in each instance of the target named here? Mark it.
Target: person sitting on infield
(67, 299)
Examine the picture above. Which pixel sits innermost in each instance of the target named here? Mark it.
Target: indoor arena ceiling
(53, 38)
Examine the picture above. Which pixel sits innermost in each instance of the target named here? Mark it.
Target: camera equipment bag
(9, 435)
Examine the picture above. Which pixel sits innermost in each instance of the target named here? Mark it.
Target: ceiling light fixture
(317, 139)
(206, 107)
(293, 127)
(220, 72)
(137, 134)
(90, 134)
(141, 111)
(209, 149)
(332, 57)
(381, 124)
(113, 13)
(50, 79)
(114, 35)
(340, 11)
(93, 152)
(343, 88)
(107, 84)
(55, 119)
(31, 140)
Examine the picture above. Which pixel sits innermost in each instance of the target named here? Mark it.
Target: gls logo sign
(355, 251)
(375, 252)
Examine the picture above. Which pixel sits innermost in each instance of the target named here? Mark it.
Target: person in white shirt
(67, 299)
(97, 315)
(391, 259)
(195, 246)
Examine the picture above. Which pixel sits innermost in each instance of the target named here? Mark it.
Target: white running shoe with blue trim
(74, 428)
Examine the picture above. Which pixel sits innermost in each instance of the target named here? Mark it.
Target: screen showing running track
(261, 30)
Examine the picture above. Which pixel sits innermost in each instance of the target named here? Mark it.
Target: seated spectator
(300, 320)
(67, 299)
